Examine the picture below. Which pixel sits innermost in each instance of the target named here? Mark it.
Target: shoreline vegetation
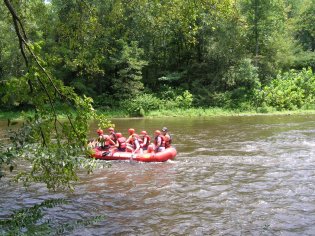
(187, 112)
(138, 59)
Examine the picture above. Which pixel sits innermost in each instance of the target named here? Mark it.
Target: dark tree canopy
(114, 51)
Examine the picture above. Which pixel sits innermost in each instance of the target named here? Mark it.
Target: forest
(67, 60)
(144, 55)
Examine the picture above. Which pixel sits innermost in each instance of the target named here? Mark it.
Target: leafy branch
(51, 144)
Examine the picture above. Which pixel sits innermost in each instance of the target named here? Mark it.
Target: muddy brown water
(232, 176)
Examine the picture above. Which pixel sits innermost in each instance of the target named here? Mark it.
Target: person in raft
(145, 140)
(167, 137)
(120, 143)
(112, 134)
(99, 139)
(159, 142)
(129, 140)
(104, 141)
(93, 143)
(135, 147)
(107, 142)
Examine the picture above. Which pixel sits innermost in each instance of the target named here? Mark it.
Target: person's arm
(167, 137)
(129, 138)
(137, 145)
(111, 142)
(158, 144)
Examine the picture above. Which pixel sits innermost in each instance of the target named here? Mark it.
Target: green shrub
(289, 91)
(245, 106)
(105, 101)
(265, 109)
(169, 93)
(241, 81)
(221, 99)
(185, 100)
(142, 104)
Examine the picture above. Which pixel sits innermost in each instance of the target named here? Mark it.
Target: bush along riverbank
(288, 93)
(292, 92)
(178, 112)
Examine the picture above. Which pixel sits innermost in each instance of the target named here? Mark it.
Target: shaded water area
(232, 176)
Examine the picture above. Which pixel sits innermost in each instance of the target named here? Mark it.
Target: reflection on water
(232, 176)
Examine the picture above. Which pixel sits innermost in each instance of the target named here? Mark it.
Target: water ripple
(235, 176)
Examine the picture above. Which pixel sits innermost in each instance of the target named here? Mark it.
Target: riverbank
(191, 112)
(212, 112)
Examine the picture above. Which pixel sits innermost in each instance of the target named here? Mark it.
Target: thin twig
(23, 42)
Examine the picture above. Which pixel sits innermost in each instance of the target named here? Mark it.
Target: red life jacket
(148, 140)
(168, 142)
(122, 142)
(162, 141)
(113, 137)
(102, 140)
(130, 140)
(134, 146)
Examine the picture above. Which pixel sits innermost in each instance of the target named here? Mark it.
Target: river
(242, 175)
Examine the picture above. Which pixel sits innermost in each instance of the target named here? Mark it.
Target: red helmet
(144, 132)
(100, 131)
(111, 129)
(118, 135)
(158, 132)
(131, 131)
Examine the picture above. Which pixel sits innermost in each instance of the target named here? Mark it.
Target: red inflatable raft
(113, 154)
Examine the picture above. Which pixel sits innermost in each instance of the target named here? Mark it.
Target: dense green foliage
(116, 51)
(58, 58)
(52, 145)
(144, 103)
(290, 90)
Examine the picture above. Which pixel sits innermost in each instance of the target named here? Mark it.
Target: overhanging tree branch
(23, 43)
(18, 26)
